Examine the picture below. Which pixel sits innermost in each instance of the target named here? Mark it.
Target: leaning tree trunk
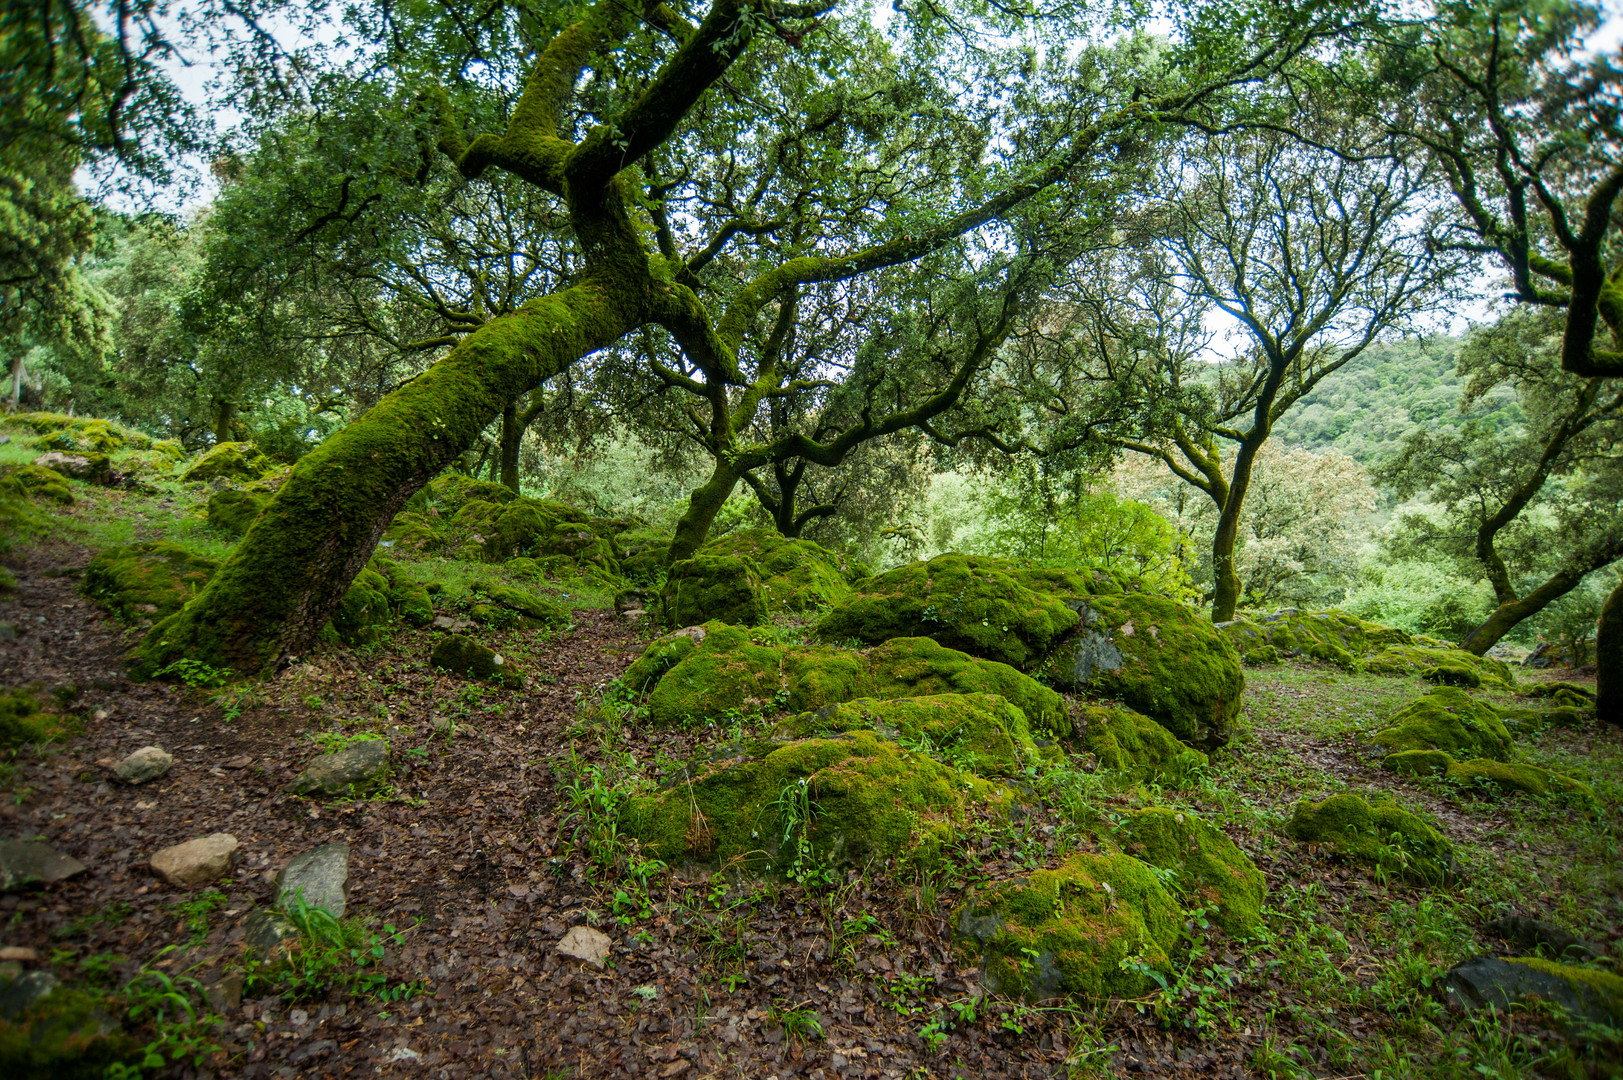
(1507, 615)
(268, 603)
(512, 439)
(703, 506)
(1609, 660)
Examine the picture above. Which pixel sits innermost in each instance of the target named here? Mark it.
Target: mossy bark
(704, 504)
(1609, 660)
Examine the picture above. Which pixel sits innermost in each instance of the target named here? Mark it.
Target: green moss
(1159, 657)
(1602, 987)
(904, 667)
(407, 595)
(82, 434)
(35, 481)
(1508, 777)
(1562, 693)
(232, 511)
(1418, 762)
(1448, 719)
(795, 575)
(1378, 833)
(364, 608)
(726, 588)
(1211, 872)
(418, 531)
(1332, 637)
(147, 581)
(1092, 927)
(868, 798)
(644, 555)
(1259, 656)
(1447, 666)
(663, 654)
(520, 608)
(69, 1035)
(1128, 742)
(966, 602)
(978, 733)
(231, 460)
(464, 656)
(24, 721)
(1075, 582)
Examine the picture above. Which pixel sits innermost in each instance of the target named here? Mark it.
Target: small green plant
(194, 913)
(236, 700)
(181, 1031)
(331, 955)
(195, 673)
(798, 1023)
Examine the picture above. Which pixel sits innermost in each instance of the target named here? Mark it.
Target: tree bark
(512, 439)
(225, 411)
(1609, 660)
(704, 504)
(1226, 592)
(1505, 617)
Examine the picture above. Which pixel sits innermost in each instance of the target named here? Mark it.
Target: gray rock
(26, 991)
(147, 763)
(89, 467)
(586, 945)
(320, 876)
(28, 862)
(1528, 935)
(8, 631)
(224, 994)
(265, 931)
(1489, 982)
(196, 862)
(359, 769)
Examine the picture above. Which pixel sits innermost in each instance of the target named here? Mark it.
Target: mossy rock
(452, 491)
(1260, 656)
(725, 671)
(1211, 872)
(363, 610)
(1599, 992)
(232, 511)
(1381, 834)
(1075, 582)
(147, 581)
(1445, 666)
(1515, 777)
(643, 561)
(34, 481)
(1418, 762)
(965, 602)
(1159, 657)
(977, 733)
(416, 531)
(1332, 637)
(1128, 742)
(66, 1034)
(725, 588)
(868, 797)
(230, 460)
(1451, 720)
(407, 595)
(82, 434)
(795, 575)
(1561, 693)
(508, 606)
(1092, 928)
(464, 656)
(25, 722)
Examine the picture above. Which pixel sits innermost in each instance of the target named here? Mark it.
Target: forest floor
(490, 845)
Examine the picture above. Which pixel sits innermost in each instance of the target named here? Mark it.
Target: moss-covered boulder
(503, 605)
(1211, 872)
(407, 595)
(844, 799)
(53, 1032)
(1093, 927)
(1600, 993)
(724, 671)
(24, 721)
(147, 581)
(1452, 667)
(230, 460)
(664, 653)
(978, 733)
(643, 555)
(1506, 777)
(1159, 657)
(1448, 719)
(795, 575)
(965, 602)
(1380, 833)
(33, 481)
(231, 511)
(464, 656)
(94, 435)
(1418, 762)
(1072, 583)
(725, 588)
(1334, 637)
(420, 531)
(1128, 742)
(364, 609)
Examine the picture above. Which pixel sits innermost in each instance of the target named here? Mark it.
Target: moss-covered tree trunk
(269, 602)
(512, 439)
(1512, 611)
(1609, 660)
(704, 504)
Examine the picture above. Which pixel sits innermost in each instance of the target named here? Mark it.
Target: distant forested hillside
(1366, 409)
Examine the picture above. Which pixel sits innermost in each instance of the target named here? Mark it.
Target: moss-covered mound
(1211, 872)
(503, 605)
(1448, 719)
(1128, 742)
(67, 1034)
(1512, 777)
(1092, 927)
(34, 481)
(407, 595)
(643, 555)
(1075, 582)
(1161, 658)
(1378, 833)
(725, 588)
(24, 721)
(978, 733)
(844, 799)
(147, 581)
(232, 511)
(1450, 667)
(963, 601)
(727, 672)
(464, 656)
(57, 431)
(1562, 694)
(231, 460)
(1418, 762)
(795, 575)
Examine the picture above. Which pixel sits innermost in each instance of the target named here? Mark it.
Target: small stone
(224, 994)
(18, 954)
(678, 1067)
(145, 764)
(319, 876)
(443, 622)
(402, 1053)
(298, 1018)
(26, 991)
(266, 931)
(241, 761)
(359, 769)
(440, 724)
(8, 631)
(586, 944)
(208, 858)
(29, 862)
